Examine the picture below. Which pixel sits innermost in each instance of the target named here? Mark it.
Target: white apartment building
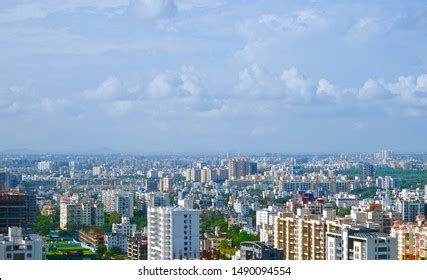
(241, 208)
(173, 232)
(74, 213)
(118, 201)
(119, 235)
(265, 224)
(16, 246)
(97, 170)
(360, 244)
(45, 165)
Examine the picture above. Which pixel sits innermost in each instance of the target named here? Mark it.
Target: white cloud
(295, 83)
(373, 89)
(326, 89)
(151, 9)
(108, 90)
(39, 9)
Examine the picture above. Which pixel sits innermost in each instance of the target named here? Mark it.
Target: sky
(204, 76)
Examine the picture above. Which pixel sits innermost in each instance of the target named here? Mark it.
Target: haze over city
(199, 76)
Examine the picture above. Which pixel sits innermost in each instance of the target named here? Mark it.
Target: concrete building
(265, 220)
(367, 171)
(165, 184)
(238, 168)
(300, 238)
(75, 213)
(119, 235)
(45, 165)
(118, 201)
(411, 208)
(16, 246)
(97, 170)
(259, 251)
(360, 244)
(16, 209)
(9, 179)
(411, 239)
(373, 215)
(173, 232)
(137, 247)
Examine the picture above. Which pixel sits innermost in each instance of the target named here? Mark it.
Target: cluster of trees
(213, 219)
(365, 192)
(409, 178)
(113, 254)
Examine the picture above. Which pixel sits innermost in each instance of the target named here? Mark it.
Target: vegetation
(365, 192)
(342, 212)
(238, 236)
(409, 178)
(110, 219)
(140, 219)
(212, 220)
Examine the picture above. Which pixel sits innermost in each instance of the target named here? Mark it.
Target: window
(8, 248)
(29, 255)
(9, 256)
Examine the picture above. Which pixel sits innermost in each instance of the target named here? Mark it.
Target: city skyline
(194, 76)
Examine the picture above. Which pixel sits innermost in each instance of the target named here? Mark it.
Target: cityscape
(218, 207)
(217, 130)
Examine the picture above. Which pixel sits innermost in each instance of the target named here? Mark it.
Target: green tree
(115, 250)
(110, 219)
(101, 249)
(140, 219)
(343, 212)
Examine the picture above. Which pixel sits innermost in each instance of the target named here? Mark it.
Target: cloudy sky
(175, 76)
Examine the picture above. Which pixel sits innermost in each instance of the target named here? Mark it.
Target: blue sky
(190, 76)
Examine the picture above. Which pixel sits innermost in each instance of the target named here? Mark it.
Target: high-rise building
(196, 175)
(118, 201)
(300, 238)
(157, 200)
(9, 179)
(374, 216)
(119, 235)
(360, 244)
(368, 171)
(411, 207)
(137, 247)
(75, 213)
(17, 246)
(238, 168)
(411, 239)
(97, 170)
(45, 165)
(265, 220)
(165, 184)
(173, 232)
(16, 209)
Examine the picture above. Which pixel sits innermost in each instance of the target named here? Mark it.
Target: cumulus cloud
(302, 20)
(109, 89)
(295, 83)
(326, 89)
(373, 89)
(182, 84)
(152, 9)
